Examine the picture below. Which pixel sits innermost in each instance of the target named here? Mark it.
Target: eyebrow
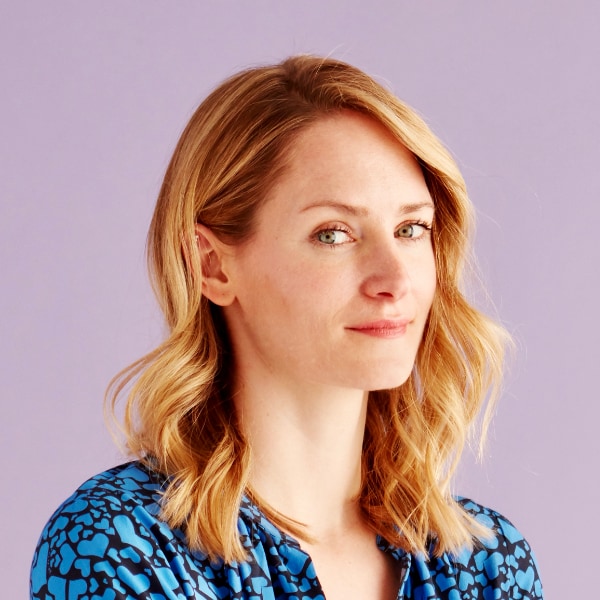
(363, 211)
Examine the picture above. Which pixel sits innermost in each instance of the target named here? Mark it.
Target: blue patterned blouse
(106, 542)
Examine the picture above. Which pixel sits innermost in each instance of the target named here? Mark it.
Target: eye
(332, 236)
(413, 231)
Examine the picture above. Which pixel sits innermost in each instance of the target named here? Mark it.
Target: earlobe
(216, 283)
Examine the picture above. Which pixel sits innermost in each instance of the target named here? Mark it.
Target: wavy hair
(179, 416)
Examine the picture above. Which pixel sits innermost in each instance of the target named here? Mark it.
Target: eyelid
(426, 227)
(420, 222)
(334, 226)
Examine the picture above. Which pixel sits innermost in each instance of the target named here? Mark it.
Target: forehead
(351, 151)
(343, 127)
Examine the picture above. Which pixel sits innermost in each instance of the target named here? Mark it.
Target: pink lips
(384, 328)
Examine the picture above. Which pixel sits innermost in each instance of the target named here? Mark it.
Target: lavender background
(94, 95)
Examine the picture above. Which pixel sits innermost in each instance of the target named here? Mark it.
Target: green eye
(406, 231)
(412, 230)
(332, 237)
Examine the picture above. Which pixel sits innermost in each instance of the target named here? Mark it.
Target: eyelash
(426, 227)
(343, 229)
(340, 228)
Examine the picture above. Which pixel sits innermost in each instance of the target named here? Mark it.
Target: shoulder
(128, 490)
(504, 560)
(493, 520)
(107, 535)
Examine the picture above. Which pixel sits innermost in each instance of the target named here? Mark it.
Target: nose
(386, 272)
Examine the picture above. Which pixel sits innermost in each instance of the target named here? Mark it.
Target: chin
(388, 381)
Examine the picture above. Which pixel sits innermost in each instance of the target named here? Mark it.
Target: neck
(306, 451)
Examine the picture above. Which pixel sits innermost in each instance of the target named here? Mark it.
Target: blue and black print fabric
(106, 542)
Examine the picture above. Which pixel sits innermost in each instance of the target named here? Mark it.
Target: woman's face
(335, 285)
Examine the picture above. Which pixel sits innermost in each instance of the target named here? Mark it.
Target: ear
(216, 284)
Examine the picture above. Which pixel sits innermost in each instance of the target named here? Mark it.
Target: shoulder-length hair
(179, 415)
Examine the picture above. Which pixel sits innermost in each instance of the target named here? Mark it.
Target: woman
(296, 433)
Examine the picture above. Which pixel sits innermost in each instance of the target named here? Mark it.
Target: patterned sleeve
(102, 547)
(505, 561)
(521, 562)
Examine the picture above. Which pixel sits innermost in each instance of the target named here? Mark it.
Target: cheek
(432, 285)
(306, 295)
(423, 271)
(285, 291)
(426, 281)
(299, 277)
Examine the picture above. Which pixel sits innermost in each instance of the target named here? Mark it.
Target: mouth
(384, 328)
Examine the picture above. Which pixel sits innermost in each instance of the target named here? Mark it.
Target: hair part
(179, 416)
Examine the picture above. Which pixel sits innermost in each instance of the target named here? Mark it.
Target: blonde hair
(179, 415)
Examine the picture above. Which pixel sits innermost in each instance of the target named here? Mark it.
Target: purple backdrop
(93, 98)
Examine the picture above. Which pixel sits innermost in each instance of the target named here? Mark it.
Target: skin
(326, 302)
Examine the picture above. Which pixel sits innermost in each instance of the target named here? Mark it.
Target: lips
(383, 328)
